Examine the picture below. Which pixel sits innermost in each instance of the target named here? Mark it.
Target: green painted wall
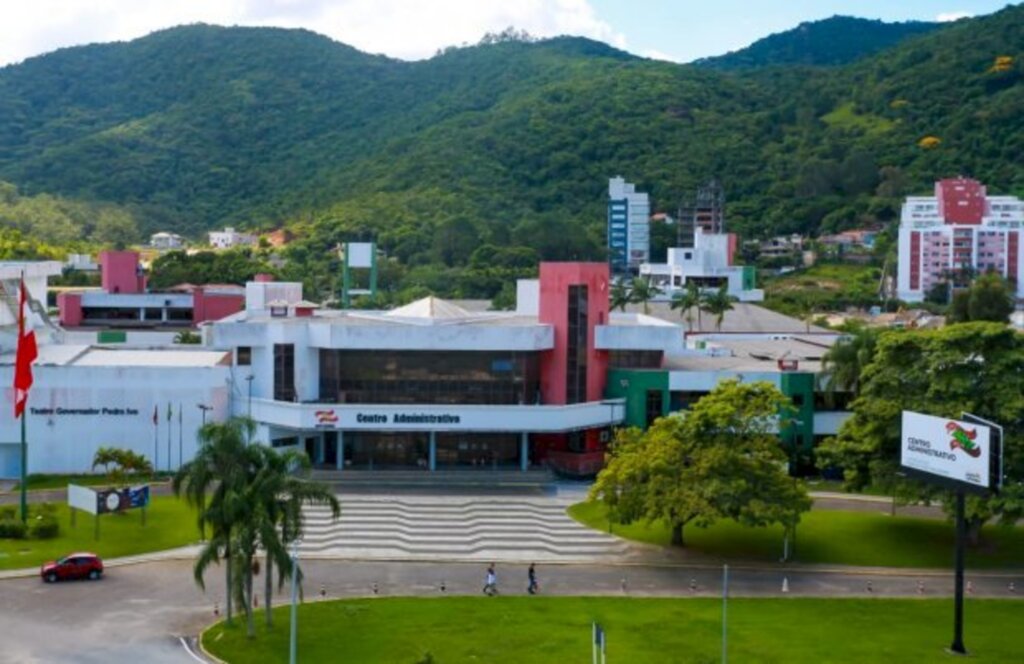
(800, 384)
(749, 277)
(633, 385)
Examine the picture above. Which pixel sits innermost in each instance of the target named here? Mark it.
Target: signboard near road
(951, 451)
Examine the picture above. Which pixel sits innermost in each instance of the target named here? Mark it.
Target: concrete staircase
(480, 528)
(534, 481)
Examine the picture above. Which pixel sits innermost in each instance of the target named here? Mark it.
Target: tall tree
(971, 367)
(642, 291)
(619, 294)
(717, 303)
(989, 298)
(686, 301)
(844, 363)
(721, 459)
(283, 487)
(214, 483)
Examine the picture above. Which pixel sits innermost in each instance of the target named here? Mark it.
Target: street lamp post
(203, 407)
(248, 424)
(293, 640)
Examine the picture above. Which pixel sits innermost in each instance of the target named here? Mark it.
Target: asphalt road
(138, 612)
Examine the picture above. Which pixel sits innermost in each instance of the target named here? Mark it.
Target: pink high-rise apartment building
(960, 227)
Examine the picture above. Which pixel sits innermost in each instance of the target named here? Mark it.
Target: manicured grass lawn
(41, 481)
(169, 524)
(507, 630)
(841, 538)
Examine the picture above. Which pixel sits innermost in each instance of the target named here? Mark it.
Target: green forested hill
(832, 41)
(505, 145)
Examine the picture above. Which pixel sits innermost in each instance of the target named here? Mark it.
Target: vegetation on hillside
(833, 41)
(508, 143)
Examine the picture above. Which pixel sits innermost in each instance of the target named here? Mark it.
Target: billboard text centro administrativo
(947, 449)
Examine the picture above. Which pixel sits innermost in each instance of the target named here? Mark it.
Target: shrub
(44, 527)
(12, 529)
(7, 512)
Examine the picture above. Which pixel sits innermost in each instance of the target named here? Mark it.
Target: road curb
(199, 644)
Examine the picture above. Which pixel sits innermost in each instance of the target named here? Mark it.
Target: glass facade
(576, 368)
(423, 377)
(284, 372)
(481, 450)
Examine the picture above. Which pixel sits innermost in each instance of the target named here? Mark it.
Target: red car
(73, 566)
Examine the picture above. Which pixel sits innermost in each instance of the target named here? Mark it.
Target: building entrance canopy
(403, 417)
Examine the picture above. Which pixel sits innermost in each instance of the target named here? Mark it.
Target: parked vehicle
(73, 566)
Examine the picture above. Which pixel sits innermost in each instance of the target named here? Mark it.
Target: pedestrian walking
(531, 575)
(491, 581)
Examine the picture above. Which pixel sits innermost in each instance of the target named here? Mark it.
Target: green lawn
(40, 481)
(169, 524)
(841, 538)
(513, 630)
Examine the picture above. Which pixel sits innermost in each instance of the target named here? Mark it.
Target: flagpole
(181, 435)
(170, 427)
(156, 443)
(24, 474)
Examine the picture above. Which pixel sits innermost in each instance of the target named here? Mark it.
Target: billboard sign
(105, 501)
(947, 450)
(119, 500)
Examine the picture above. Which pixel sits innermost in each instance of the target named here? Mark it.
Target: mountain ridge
(508, 144)
(836, 40)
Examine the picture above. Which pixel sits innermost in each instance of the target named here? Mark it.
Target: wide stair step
(449, 528)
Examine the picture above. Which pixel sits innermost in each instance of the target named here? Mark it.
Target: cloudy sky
(679, 30)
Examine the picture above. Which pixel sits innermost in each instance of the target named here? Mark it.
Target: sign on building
(951, 451)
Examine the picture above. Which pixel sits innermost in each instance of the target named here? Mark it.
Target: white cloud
(409, 29)
(655, 54)
(947, 17)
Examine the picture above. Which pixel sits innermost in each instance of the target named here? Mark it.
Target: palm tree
(642, 291)
(620, 295)
(717, 303)
(846, 360)
(686, 301)
(213, 483)
(283, 488)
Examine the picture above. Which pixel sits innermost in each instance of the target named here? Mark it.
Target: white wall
(66, 442)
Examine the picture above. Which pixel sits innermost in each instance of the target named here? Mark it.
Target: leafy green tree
(686, 301)
(721, 459)
(989, 298)
(642, 291)
(970, 367)
(716, 303)
(187, 337)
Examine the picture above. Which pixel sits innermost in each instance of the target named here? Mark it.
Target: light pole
(293, 640)
(203, 407)
(248, 379)
(248, 425)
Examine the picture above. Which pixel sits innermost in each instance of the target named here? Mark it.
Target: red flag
(24, 357)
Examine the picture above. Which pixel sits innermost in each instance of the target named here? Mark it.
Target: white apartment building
(229, 238)
(709, 264)
(960, 227)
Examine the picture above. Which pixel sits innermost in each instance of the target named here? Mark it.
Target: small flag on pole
(169, 411)
(156, 416)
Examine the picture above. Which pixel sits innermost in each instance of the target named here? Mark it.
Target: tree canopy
(971, 367)
(721, 459)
